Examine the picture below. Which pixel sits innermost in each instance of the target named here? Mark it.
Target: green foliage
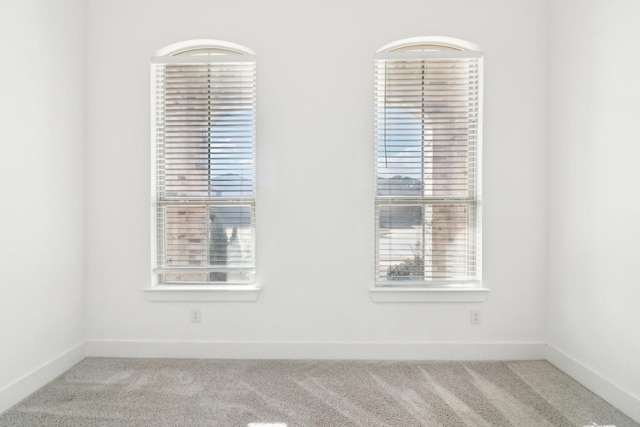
(218, 244)
(409, 269)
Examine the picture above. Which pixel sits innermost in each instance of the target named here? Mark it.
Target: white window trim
(388, 294)
(473, 292)
(446, 42)
(196, 293)
(186, 46)
(203, 293)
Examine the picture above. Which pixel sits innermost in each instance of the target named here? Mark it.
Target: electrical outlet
(476, 316)
(195, 315)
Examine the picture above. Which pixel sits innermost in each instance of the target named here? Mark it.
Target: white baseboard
(40, 376)
(597, 383)
(308, 350)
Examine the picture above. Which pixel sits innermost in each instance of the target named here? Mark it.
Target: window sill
(203, 293)
(387, 294)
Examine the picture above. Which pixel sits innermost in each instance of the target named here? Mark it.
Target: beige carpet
(172, 392)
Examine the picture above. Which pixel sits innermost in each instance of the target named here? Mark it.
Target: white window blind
(204, 140)
(427, 101)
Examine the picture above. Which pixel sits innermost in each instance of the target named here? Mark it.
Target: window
(203, 138)
(427, 107)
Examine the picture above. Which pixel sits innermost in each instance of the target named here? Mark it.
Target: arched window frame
(203, 168)
(408, 126)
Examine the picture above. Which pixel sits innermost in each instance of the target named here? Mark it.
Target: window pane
(450, 251)
(426, 127)
(230, 242)
(186, 243)
(208, 130)
(399, 153)
(400, 242)
(426, 242)
(216, 237)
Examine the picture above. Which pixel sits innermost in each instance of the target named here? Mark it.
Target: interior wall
(594, 208)
(315, 160)
(41, 170)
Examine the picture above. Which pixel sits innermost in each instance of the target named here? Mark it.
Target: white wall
(41, 171)
(594, 290)
(315, 169)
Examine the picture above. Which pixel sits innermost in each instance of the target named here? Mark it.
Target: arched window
(427, 101)
(203, 138)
